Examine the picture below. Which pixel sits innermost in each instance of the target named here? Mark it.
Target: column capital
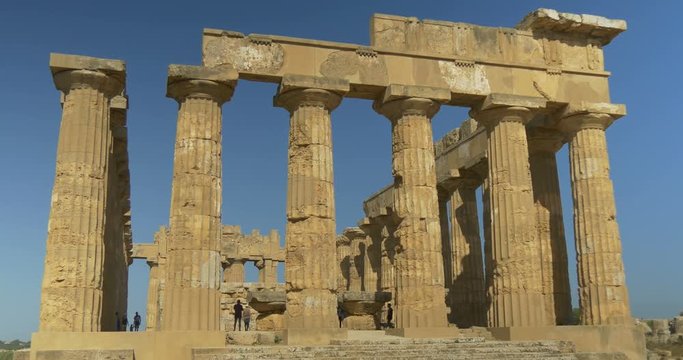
(85, 72)
(583, 115)
(299, 90)
(504, 107)
(188, 81)
(456, 179)
(399, 100)
(544, 140)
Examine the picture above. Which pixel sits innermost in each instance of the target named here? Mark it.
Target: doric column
(549, 223)
(387, 279)
(446, 250)
(517, 297)
(603, 296)
(157, 281)
(116, 257)
(488, 250)
(72, 288)
(468, 296)
(420, 293)
(357, 258)
(194, 262)
(344, 261)
(310, 272)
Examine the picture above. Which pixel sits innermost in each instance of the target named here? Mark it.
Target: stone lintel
(65, 62)
(496, 100)
(221, 74)
(398, 91)
(596, 27)
(299, 82)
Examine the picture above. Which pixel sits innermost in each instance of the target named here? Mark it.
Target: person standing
(247, 317)
(238, 315)
(137, 320)
(124, 322)
(340, 315)
(390, 316)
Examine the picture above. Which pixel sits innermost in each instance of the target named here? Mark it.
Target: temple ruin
(530, 90)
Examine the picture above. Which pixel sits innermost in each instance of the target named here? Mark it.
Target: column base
(428, 332)
(588, 338)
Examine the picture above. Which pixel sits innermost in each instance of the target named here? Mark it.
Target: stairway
(376, 345)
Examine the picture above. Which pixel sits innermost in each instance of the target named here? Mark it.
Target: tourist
(137, 320)
(124, 322)
(247, 317)
(340, 315)
(238, 315)
(390, 316)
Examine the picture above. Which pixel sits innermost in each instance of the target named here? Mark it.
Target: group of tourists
(242, 313)
(122, 322)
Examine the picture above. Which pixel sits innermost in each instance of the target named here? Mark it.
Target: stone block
(397, 91)
(587, 338)
(319, 336)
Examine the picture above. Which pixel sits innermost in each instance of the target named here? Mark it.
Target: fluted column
(468, 298)
(488, 249)
(194, 262)
(549, 224)
(603, 296)
(72, 288)
(516, 291)
(387, 270)
(446, 249)
(310, 270)
(157, 281)
(344, 261)
(420, 293)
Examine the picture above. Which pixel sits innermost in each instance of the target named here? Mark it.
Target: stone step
(398, 349)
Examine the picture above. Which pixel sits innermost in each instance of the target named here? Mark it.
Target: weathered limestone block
(270, 305)
(363, 309)
(549, 224)
(420, 290)
(310, 273)
(233, 271)
(194, 262)
(72, 288)
(603, 296)
(515, 289)
(466, 292)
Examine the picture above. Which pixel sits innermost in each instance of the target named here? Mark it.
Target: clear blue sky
(644, 147)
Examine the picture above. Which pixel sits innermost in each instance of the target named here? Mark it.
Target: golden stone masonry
(456, 293)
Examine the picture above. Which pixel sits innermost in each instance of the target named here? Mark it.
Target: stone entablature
(549, 49)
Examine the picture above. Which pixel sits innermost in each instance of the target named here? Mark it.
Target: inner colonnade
(530, 90)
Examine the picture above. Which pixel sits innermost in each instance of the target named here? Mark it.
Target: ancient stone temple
(458, 271)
